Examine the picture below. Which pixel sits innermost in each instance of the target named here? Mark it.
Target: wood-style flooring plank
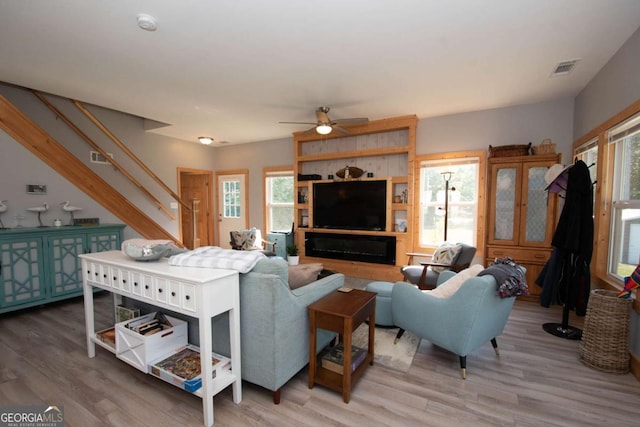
(537, 380)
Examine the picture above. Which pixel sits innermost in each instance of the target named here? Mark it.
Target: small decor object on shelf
(71, 209)
(39, 210)
(292, 254)
(509, 150)
(86, 221)
(3, 209)
(57, 222)
(349, 172)
(547, 146)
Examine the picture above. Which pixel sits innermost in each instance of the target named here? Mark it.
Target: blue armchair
(458, 317)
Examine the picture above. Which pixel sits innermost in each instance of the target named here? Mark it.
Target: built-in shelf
(383, 148)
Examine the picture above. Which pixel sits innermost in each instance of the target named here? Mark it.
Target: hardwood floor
(537, 381)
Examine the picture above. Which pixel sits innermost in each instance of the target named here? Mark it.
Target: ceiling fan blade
(340, 130)
(309, 131)
(352, 121)
(298, 123)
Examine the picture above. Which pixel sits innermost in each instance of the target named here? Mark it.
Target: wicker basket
(545, 147)
(509, 150)
(605, 336)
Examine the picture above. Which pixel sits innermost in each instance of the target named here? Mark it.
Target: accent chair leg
(463, 367)
(494, 343)
(276, 397)
(398, 335)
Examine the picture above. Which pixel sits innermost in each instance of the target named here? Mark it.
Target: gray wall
(162, 155)
(614, 88)
(254, 157)
(503, 126)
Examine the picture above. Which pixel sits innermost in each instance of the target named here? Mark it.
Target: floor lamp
(447, 178)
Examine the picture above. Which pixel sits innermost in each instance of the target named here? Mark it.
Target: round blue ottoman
(384, 316)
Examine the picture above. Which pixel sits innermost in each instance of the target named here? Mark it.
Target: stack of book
(149, 326)
(333, 358)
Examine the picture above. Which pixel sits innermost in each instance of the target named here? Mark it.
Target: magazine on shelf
(333, 358)
(182, 368)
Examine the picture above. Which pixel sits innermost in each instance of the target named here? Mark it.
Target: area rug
(395, 356)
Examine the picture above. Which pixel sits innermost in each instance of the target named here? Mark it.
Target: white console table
(201, 293)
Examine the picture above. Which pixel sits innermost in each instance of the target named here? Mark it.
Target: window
(231, 199)
(624, 244)
(588, 153)
(279, 199)
(462, 218)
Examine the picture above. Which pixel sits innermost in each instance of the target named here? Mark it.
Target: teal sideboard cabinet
(41, 265)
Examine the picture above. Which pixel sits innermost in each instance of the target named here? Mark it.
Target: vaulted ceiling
(234, 69)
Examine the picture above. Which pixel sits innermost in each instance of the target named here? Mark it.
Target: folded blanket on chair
(215, 257)
(510, 277)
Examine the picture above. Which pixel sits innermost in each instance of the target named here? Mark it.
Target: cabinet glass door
(103, 242)
(538, 208)
(505, 201)
(22, 271)
(66, 268)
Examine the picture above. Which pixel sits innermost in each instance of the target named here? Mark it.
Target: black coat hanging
(565, 279)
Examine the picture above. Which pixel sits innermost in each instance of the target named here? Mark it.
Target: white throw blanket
(215, 257)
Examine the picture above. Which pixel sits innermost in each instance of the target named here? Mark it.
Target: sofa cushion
(446, 253)
(303, 274)
(451, 286)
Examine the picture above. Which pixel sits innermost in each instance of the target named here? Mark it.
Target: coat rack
(572, 252)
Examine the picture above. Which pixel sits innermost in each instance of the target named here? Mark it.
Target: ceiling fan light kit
(324, 129)
(324, 125)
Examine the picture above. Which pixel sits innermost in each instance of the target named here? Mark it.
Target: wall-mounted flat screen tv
(350, 205)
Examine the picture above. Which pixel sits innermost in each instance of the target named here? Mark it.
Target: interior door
(196, 224)
(232, 204)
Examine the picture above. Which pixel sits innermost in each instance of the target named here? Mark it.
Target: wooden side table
(341, 312)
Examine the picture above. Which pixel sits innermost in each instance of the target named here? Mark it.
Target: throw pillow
(446, 253)
(244, 239)
(303, 274)
(451, 286)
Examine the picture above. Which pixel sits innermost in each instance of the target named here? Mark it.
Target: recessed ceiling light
(206, 140)
(147, 22)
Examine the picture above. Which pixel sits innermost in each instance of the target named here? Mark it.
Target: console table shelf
(201, 293)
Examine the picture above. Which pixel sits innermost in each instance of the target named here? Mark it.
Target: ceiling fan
(324, 125)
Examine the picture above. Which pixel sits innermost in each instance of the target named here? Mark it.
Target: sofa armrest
(315, 290)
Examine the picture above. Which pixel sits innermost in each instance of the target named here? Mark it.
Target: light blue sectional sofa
(274, 323)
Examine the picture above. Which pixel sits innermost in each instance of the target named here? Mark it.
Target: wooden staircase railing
(46, 148)
(104, 154)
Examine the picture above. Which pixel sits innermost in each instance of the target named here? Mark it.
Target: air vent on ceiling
(564, 67)
(99, 158)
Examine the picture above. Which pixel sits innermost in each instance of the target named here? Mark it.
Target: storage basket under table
(605, 335)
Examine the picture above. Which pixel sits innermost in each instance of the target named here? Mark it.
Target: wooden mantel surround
(385, 148)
